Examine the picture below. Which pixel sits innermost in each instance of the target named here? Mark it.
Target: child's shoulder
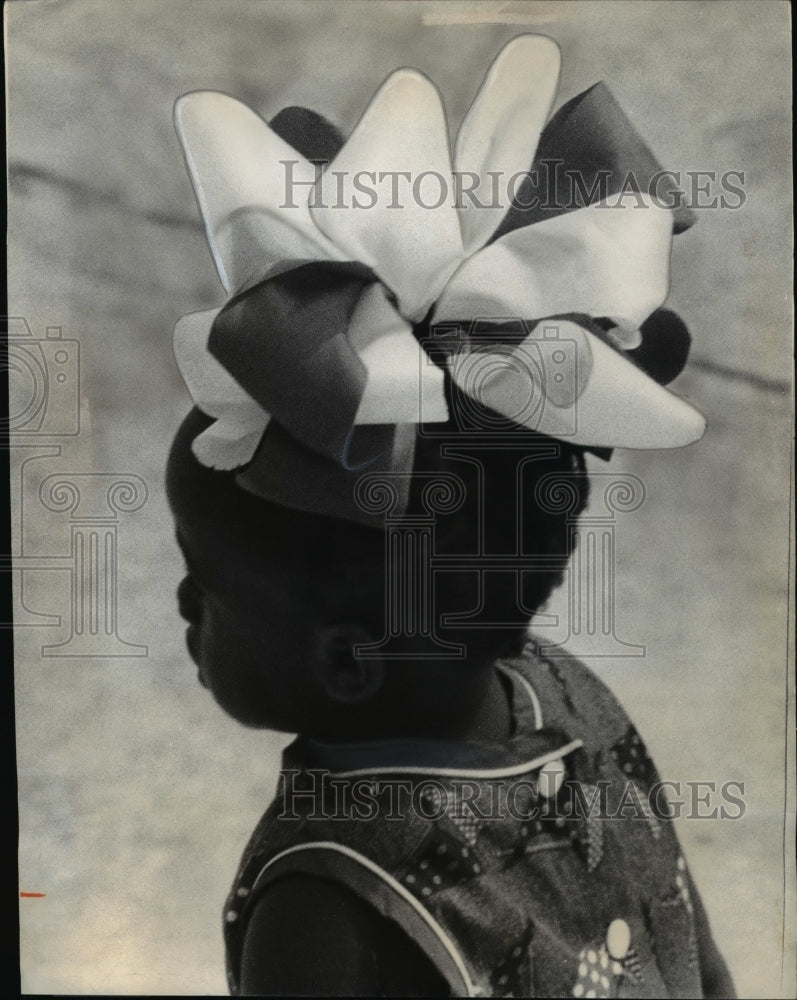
(571, 696)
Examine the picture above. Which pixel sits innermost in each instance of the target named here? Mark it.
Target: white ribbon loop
(251, 186)
(240, 422)
(404, 386)
(607, 260)
(231, 441)
(563, 382)
(498, 137)
(392, 186)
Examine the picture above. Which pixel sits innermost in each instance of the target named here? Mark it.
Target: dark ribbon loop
(285, 341)
(589, 151)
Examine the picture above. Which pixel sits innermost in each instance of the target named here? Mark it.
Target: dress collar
(530, 746)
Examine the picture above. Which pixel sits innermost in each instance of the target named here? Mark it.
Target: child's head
(314, 351)
(277, 598)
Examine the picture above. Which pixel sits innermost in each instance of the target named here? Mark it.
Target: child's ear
(345, 677)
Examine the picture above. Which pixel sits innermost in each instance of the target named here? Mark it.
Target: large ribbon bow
(549, 305)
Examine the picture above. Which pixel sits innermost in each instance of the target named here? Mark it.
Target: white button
(618, 939)
(550, 778)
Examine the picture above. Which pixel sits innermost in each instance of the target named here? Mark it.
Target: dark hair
(513, 513)
(337, 567)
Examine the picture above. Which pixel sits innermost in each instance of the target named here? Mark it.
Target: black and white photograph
(400, 447)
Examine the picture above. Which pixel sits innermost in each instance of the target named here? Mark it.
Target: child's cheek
(245, 665)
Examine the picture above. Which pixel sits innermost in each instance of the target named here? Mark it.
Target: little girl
(389, 403)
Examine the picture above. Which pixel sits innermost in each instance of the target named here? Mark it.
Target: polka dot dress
(602, 964)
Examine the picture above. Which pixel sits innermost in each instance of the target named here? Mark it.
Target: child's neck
(477, 709)
(492, 720)
(478, 712)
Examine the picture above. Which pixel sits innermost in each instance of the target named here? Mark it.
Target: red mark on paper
(32, 895)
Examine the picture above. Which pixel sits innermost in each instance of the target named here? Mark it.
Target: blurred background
(136, 793)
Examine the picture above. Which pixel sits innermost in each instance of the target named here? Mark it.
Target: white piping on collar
(535, 701)
(437, 930)
(464, 772)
